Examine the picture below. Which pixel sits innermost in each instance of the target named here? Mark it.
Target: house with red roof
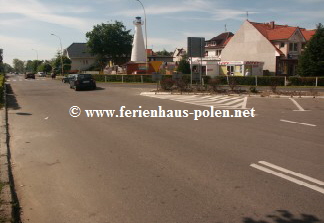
(278, 46)
(214, 46)
(213, 51)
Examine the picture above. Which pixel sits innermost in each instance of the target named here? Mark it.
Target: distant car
(82, 81)
(66, 79)
(139, 72)
(29, 75)
(41, 74)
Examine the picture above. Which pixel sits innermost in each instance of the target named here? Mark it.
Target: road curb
(245, 95)
(10, 209)
(6, 195)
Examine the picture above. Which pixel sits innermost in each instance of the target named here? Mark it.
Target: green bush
(167, 84)
(123, 78)
(221, 80)
(271, 81)
(2, 83)
(302, 81)
(320, 81)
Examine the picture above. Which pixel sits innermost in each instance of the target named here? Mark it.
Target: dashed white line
(282, 120)
(300, 123)
(307, 124)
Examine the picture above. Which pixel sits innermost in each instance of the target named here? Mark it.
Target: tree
(31, 65)
(1, 61)
(18, 65)
(110, 41)
(164, 52)
(7, 68)
(184, 67)
(45, 67)
(57, 64)
(311, 61)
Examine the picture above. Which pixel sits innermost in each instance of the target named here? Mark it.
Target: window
(213, 43)
(282, 45)
(293, 46)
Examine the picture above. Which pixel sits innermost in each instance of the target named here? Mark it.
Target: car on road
(66, 79)
(29, 75)
(83, 81)
(41, 74)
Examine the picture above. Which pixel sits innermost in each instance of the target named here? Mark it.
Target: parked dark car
(29, 75)
(83, 81)
(66, 79)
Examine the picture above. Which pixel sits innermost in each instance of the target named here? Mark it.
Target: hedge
(2, 83)
(223, 80)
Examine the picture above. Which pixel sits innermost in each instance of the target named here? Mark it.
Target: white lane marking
(307, 124)
(244, 103)
(300, 123)
(293, 173)
(286, 177)
(14, 80)
(282, 120)
(300, 108)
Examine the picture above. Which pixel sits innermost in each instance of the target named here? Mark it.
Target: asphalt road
(145, 170)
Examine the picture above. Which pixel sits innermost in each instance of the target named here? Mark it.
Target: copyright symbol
(75, 111)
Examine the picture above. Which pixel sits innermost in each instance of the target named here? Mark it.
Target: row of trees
(34, 66)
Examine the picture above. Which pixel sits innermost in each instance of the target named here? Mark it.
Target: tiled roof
(308, 33)
(222, 39)
(79, 50)
(149, 52)
(227, 40)
(274, 31)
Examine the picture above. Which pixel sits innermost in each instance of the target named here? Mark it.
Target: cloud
(176, 7)
(33, 9)
(13, 50)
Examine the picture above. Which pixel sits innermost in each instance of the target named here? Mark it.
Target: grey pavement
(163, 169)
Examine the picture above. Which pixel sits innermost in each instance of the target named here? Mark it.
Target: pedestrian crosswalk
(217, 101)
(22, 79)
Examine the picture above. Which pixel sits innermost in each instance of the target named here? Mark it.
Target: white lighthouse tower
(138, 50)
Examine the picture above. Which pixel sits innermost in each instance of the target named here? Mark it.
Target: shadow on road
(11, 99)
(23, 113)
(284, 216)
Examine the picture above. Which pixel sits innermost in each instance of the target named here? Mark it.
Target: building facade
(278, 46)
(213, 54)
(80, 56)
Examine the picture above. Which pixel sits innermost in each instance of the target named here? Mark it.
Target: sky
(26, 25)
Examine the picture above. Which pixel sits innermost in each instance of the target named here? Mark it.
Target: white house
(278, 46)
(80, 56)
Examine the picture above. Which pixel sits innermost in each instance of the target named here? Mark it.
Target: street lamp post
(36, 53)
(145, 33)
(37, 58)
(61, 51)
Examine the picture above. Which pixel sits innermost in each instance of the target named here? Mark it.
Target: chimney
(272, 24)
